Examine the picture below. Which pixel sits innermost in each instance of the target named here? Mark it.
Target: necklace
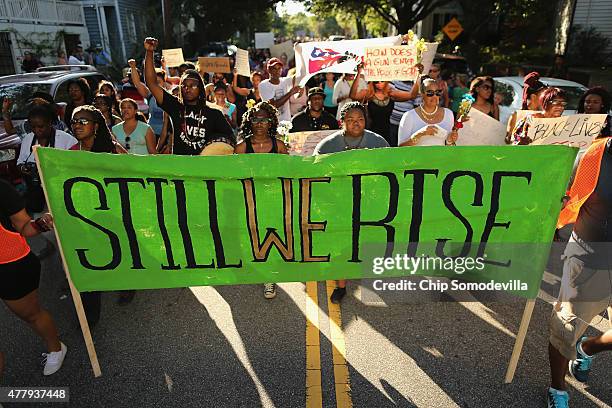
(351, 147)
(429, 115)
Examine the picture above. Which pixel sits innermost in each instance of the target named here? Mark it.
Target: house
(117, 25)
(43, 27)
(585, 14)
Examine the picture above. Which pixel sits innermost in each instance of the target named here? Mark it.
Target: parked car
(19, 89)
(511, 89)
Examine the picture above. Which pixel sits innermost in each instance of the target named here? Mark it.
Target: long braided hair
(246, 128)
(103, 140)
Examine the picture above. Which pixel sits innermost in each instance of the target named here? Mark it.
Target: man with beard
(314, 117)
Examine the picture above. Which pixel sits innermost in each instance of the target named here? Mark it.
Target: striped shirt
(399, 108)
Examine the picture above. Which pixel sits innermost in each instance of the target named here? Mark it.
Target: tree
(402, 14)
(218, 20)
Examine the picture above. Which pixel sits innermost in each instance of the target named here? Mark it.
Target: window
(131, 22)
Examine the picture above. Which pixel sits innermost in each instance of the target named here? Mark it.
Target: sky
(290, 7)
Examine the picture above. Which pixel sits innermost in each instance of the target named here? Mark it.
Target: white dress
(412, 123)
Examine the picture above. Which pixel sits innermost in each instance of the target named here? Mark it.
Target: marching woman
(258, 131)
(553, 104)
(89, 127)
(429, 124)
(20, 273)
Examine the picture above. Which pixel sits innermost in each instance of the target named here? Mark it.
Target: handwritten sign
(481, 130)
(574, 130)
(304, 143)
(264, 40)
(390, 63)
(242, 63)
(173, 57)
(214, 64)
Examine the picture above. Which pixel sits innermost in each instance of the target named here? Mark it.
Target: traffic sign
(453, 29)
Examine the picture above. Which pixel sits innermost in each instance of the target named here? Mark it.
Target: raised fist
(150, 44)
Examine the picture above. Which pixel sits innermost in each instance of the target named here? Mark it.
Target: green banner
(136, 222)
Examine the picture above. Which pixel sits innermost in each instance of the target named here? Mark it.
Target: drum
(218, 147)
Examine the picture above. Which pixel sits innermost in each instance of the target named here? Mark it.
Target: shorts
(584, 294)
(19, 278)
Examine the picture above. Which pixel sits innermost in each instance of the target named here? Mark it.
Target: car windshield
(20, 94)
(572, 96)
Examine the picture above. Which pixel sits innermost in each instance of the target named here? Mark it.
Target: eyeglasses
(194, 86)
(261, 120)
(486, 86)
(559, 103)
(432, 93)
(82, 122)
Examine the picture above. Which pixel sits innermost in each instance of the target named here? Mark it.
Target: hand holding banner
(304, 143)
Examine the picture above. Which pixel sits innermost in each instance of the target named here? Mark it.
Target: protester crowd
(197, 113)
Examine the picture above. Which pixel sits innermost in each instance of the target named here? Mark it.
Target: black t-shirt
(194, 126)
(10, 203)
(303, 122)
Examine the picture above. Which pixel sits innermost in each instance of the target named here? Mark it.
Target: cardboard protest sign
(304, 143)
(428, 56)
(136, 222)
(242, 63)
(264, 40)
(173, 57)
(214, 64)
(283, 48)
(390, 63)
(481, 130)
(574, 130)
(334, 56)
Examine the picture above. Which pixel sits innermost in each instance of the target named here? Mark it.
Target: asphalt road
(230, 347)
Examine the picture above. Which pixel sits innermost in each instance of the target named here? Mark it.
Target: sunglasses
(432, 93)
(559, 103)
(486, 86)
(194, 86)
(127, 142)
(261, 120)
(82, 122)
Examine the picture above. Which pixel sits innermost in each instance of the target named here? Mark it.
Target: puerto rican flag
(334, 56)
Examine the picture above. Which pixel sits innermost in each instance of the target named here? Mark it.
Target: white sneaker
(53, 361)
(269, 290)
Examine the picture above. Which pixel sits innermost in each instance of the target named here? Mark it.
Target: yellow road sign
(452, 29)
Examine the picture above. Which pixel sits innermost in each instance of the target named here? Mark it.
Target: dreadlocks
(193, 74)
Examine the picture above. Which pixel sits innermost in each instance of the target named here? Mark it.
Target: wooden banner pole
(520, 339)
(76, 297)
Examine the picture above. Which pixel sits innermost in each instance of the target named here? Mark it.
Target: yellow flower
(250, 103)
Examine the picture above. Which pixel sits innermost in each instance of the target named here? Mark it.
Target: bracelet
(449, 144)
(40, 225)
